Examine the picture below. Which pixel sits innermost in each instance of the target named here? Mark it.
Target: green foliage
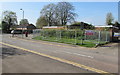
(117, 24)
(66, 40)
(5, 27)
(9, 19)
(24, 22)
(63, 33)
(81, 25)
(41, 21)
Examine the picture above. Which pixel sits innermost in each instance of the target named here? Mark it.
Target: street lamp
(23, 13)
(23, 20)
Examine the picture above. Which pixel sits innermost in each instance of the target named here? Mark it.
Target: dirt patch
(9, 51)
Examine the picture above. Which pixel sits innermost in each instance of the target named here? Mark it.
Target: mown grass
(90, 44)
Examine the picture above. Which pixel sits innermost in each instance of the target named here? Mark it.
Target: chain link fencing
(73, 36)
(97, 37)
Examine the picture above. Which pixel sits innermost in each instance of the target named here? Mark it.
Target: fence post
(56, 35)
(60, 34)
(75, 36)
(85, 35)
(43, 33)
(82, 37)
(106, 36)
(99, 37)
(33, 34)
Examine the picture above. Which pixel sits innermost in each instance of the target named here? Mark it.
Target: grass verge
(90, 43)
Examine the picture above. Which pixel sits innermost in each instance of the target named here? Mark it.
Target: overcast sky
(90, 12)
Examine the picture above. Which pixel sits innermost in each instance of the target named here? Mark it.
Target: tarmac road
(105, 59)
(18, 61)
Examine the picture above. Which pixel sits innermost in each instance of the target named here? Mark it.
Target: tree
(24, 22)
(9, 19)
(59, 14)
(5, 27)
(117, 24)
(88, 26)
(41, 21)
(65, 12)
(48, 12)
(109, 19)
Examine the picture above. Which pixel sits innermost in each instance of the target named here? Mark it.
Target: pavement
(103, 59)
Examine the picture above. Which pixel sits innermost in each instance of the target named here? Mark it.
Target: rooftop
(106, 26)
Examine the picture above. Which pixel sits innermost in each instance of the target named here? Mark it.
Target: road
(50, 57)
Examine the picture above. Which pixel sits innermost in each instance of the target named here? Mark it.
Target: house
(13, 27)
(28, 27)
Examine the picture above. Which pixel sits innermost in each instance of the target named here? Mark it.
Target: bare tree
(48, 12)
(59, 14)
(109, 19)
(65, 11)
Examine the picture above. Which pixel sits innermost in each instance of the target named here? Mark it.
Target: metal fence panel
(73, 36)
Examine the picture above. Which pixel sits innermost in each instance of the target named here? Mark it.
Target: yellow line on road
(61, 60)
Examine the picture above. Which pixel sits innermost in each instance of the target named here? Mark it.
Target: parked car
(17, 31)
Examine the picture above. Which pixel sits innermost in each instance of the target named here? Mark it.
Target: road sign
(89, 32)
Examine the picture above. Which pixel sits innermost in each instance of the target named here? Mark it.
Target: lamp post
(23, 20)
(23, 13)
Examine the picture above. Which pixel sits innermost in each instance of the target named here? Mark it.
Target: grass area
(89, 44)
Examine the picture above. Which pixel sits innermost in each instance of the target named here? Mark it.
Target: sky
(89, 12)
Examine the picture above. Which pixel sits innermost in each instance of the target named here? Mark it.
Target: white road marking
(75, 54)
(83, 55)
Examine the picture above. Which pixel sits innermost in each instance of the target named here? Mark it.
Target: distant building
(80, 25)
(102, 27)
(110, 28)
(54, 27)
(28, 27)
